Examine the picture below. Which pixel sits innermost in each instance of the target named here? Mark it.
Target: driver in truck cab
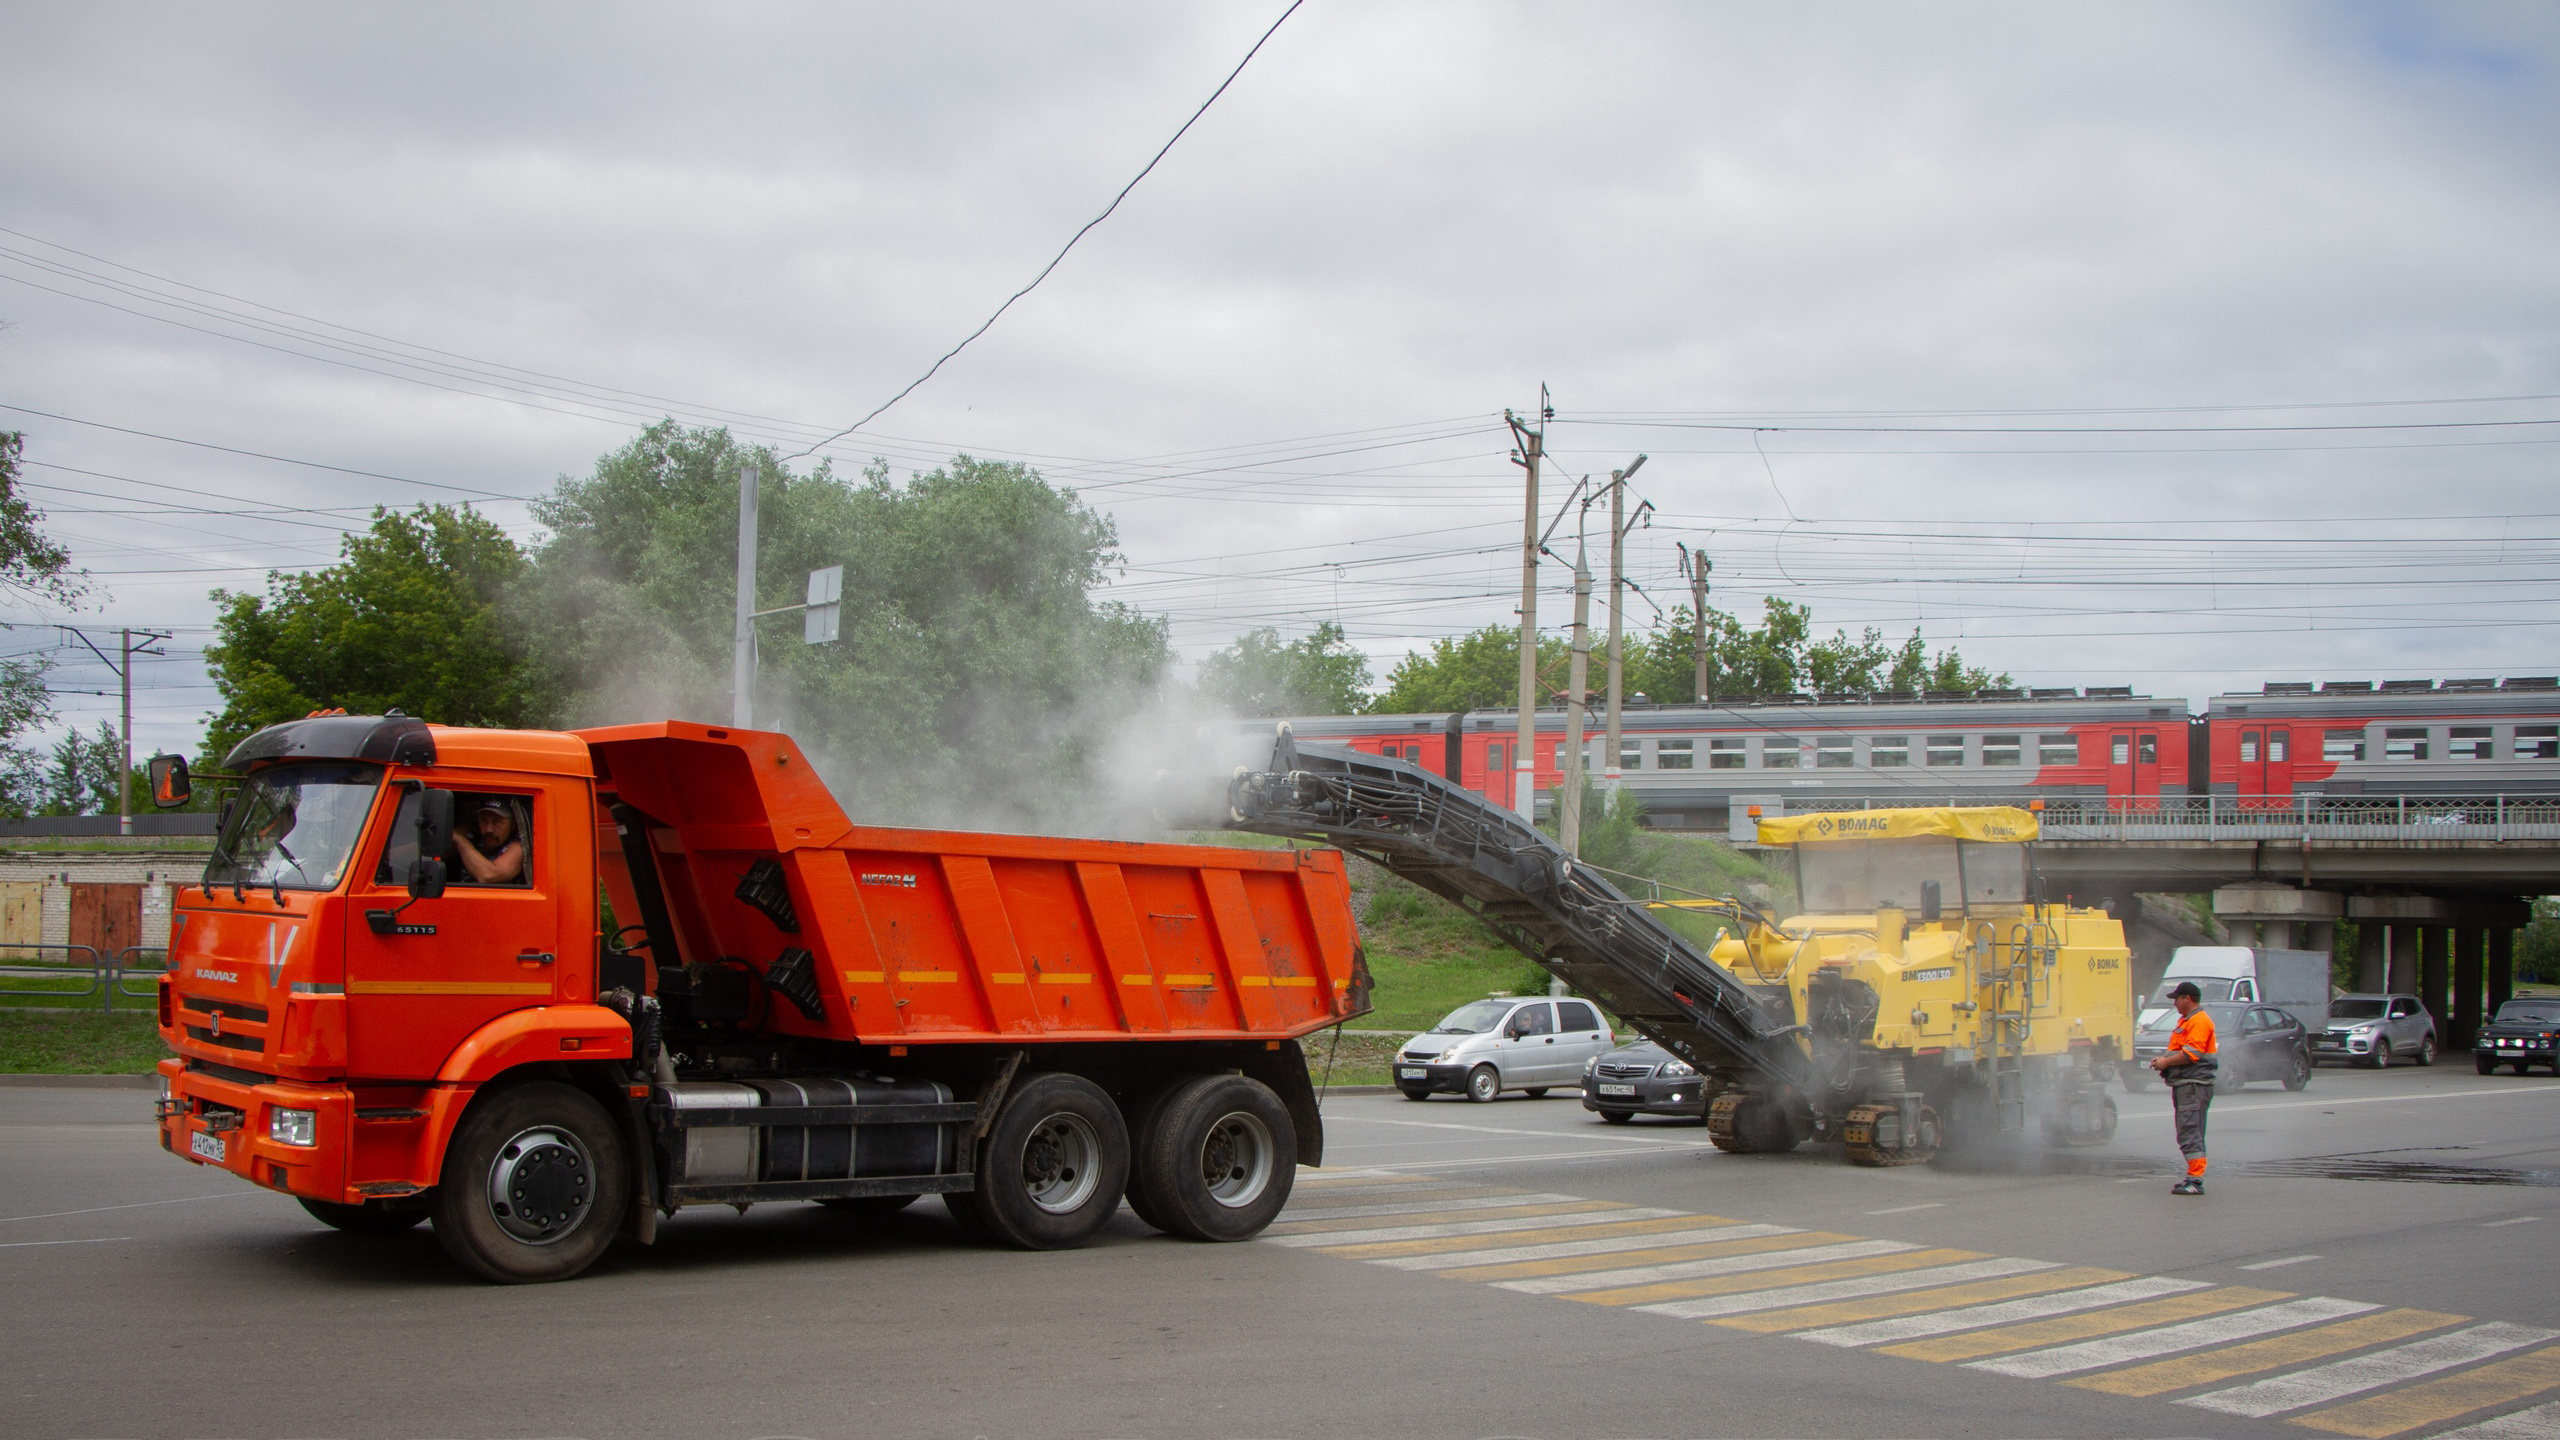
(491, 851)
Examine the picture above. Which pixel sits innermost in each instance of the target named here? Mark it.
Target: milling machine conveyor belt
(1524, 887)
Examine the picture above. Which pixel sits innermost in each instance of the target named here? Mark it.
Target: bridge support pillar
(2502, 966)
(2373, 970)
(2434, 950)
(2469, 946)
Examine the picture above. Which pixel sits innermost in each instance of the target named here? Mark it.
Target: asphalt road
(1435, 1281)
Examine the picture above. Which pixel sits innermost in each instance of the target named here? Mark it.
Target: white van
(2294, 981)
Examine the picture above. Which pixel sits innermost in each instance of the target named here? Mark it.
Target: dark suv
(2253, 1042)
(2523, 1033)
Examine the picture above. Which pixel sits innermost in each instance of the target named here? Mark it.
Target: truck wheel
(1052, 1171)
(373, 1217)
(534, 1185)
(2427, 1050)
(1484, 1085)
(1218, 1160)
(869, 1204)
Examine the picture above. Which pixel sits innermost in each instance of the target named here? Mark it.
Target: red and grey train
(1691, 764)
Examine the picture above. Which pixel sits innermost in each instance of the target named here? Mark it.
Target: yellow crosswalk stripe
(1628, 1259)
(1774, 1279)
(2276, 1351)
(1503, 1212)
(2432, 1401)
(1299, 1200)
(1913, 1302)
(1438, 1244)
(1975, 1344)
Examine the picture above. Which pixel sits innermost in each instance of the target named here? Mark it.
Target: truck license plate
(206, 1146)
(1413, 1072)
(1607, 1089)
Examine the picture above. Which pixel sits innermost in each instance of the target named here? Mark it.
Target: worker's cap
(492, 807)
(2186, 989)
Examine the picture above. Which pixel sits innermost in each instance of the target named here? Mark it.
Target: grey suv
(2377, 1030)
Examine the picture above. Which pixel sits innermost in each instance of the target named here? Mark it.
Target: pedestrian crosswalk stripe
(2273, 1353)
(2435, 1401)
(1590, 1212)
(2037, 1307)
(1641, 1242)
(1343, 1198)
(1506, 1207)
(1712, 1306)
(2542, 1422)
(1789, 1278)
(2064, 1328)
(2170, 1339)
(1655, 1222)
(1771, 1238)
(2340, 1379)
(1910, 1302)
(1839, 1247)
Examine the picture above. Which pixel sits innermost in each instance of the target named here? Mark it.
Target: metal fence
(80, 977)
(2395, 818)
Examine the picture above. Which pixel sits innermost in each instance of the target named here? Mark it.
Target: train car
(2401, 737)
(1693, 765)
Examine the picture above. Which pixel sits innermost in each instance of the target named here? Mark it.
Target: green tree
(33, 565)
(411, 618)
(2538, 944)
(1258, 675)
(978, 679)
(1476, 671)
(81, 772)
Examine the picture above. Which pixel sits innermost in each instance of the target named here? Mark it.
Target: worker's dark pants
(2190, 1102)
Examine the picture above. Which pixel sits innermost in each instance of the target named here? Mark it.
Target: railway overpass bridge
(2435, 886)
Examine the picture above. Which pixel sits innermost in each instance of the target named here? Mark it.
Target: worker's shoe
(2189, 1186)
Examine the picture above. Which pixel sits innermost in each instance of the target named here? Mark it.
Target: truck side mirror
(426, 878)
(435, 835)
(170, 786)
(1931, 903)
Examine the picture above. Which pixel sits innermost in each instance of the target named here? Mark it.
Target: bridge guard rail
(1524, 888)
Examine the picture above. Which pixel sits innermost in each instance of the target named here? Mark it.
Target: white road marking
(133, 1205)
(1907, 1209)
(1569, 1249)
(1421, 1207)
(2502, 1093)
(1490, 1161)
(2517, 1220)
(2170, 1339)
(31, 1244)
(1975, 1317)
(2542, 1422)
(2280, 1264)
(1693, 1269)
(1712, 1306)
(1471, 1227)
(1608, 1135)
(2323, 1383)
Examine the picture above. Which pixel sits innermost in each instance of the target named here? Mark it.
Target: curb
(1355, 1090)
(78, 1082)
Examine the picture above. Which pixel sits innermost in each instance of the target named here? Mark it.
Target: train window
(1630, 754)
(2538, 742)
(1889, 752)
(1680, 754)
(1781, 752)
(2121, 752)
(2057, 749)
(2404, 744)
(2278, 742)
(2248, 747)
(1834, 752)
(2471, 742)
(1946, 750)
(1493, 761)
(2342, 745)
(2000, 749)
(2146, 749)
(1721, 755)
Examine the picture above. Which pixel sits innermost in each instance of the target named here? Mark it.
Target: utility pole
(1618, 527)
(1524, 758)
(742, 663)
(124, 772)
(1576, 695)
(1695, 565)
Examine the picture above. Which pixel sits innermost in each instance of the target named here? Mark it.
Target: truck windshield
(295, 825)
(2212, 987)
(1474, 1018)
(1852, 878)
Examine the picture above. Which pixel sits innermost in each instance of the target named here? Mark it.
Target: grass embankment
(70, 1042)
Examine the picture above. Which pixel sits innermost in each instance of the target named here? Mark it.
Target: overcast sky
(2237, 327)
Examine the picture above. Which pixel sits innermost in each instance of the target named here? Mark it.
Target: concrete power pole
(1524, 757)
(1576, 697)
(1696, 565)
(742, 663)
(124, 772)
(1618, 526)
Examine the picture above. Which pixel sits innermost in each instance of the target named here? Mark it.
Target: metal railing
(2414, 819)
(76, 977)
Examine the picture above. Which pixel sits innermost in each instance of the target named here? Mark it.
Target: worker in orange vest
(2189, 1067)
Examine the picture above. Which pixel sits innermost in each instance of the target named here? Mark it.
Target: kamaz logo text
(907, 882)
(225, 976)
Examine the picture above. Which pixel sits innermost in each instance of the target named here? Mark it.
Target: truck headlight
(1677, 1070)
(293, 1127)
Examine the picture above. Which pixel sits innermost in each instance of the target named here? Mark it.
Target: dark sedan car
(2251, 1042)
(1642, 1079)
(2524, 1033)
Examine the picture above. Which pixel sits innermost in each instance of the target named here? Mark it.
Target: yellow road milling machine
(1926, 996)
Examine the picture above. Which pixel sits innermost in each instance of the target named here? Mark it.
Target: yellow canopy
(1976, 822)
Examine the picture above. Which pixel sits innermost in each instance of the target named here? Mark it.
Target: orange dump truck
(396, 996)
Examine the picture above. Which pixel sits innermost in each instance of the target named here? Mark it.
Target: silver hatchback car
(1484, 1047)
(2377, 1030)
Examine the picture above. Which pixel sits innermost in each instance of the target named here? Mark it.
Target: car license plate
(207, 1146)
(1413, 1072)
(1617, 1089)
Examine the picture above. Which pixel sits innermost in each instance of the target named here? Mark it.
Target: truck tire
(1217, 1160)
(1484, 1084)
(373, 1217)
(1052, 1171)
(534, 1186)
